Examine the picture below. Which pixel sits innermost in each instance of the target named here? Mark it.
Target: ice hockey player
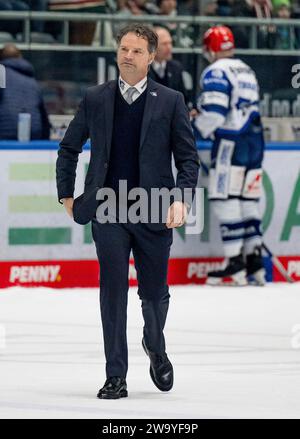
(229, 114)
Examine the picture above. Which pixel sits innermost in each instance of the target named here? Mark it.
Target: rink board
(42, 246)
(85, 273)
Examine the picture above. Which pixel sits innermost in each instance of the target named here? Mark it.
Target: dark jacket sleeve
(183, 90)
(69, 149)
(184, 149)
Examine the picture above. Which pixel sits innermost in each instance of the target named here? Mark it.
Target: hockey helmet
(218, 39)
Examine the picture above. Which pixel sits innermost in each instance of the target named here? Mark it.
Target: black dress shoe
(161, 369)
(114, 388)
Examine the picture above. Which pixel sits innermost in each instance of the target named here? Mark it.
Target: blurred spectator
(81, 32)
(188, 7)
(21, 95)
(169, 7)
(164, 69)
(225, 8)
(252, 8)
(13, 5)
(76, 5)
(12, 26)
(263, 8)
(209, 8)
(130, 8)
(41, 6)
(285, 37)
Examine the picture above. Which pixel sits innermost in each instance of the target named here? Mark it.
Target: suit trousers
(151, 249)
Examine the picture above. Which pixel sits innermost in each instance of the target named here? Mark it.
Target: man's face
(133, 56)
(284, 12)
(164, 49)
(167, 6)
(211, 8)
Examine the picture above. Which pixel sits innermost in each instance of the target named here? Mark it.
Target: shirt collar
(156, 65)
(140, 86)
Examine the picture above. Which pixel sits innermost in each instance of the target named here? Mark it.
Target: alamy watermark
(296, 77)
(151, 206)
(295, 340)
(2, 337)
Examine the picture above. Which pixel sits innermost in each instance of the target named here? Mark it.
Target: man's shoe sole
(122, 394)
(163, 389)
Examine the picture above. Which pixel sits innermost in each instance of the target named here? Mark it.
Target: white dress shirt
(140, 87)
(160, 68)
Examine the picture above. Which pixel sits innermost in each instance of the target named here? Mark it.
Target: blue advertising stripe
(47, 145)
(201, 145)
(270, 146)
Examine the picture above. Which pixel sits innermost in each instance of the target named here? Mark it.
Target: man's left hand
(177, 214)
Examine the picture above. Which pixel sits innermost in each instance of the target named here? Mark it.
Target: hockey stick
(276, 262)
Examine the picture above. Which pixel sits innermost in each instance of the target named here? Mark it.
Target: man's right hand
(68, 205)
(194, 113)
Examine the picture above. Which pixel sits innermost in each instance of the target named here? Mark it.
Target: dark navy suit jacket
(166, 129)
(174, 71)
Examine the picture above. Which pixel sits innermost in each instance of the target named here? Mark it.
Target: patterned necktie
(129, 94)
(160, 71)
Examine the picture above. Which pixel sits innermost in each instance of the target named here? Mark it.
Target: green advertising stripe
(31, 171)
(39, 235)
(34, 203)
(87, 237)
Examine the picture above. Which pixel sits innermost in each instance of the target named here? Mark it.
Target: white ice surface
(231, 350)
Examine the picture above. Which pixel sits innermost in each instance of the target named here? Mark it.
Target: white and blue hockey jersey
(229, 98)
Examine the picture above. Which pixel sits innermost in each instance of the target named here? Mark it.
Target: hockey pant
(235, 185)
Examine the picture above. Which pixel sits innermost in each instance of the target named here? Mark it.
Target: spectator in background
(81, 32)
(284, 36)
(209, 8)
(225, 8)
(12, 26)
(169, 7)
(130, 8)
(41, 6)
(21, 95)
(252, 8)
(164, 69)
(13, 5)
(188, 7)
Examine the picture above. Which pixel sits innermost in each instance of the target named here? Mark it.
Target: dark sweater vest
(124, 154)
(162, 81)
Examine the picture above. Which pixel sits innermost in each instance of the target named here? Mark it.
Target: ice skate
(255, 268)
(233, 274)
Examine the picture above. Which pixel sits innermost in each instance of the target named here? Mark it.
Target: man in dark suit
(134, 125)
(164, 69)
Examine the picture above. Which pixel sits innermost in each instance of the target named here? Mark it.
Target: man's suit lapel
(152, 98)
(109, 103)
(150, 106)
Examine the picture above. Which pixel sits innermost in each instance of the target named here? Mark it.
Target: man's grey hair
(140, 30)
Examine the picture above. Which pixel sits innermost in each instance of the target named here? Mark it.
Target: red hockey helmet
(218, 39)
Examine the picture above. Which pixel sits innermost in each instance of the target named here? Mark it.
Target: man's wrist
(62, 200)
